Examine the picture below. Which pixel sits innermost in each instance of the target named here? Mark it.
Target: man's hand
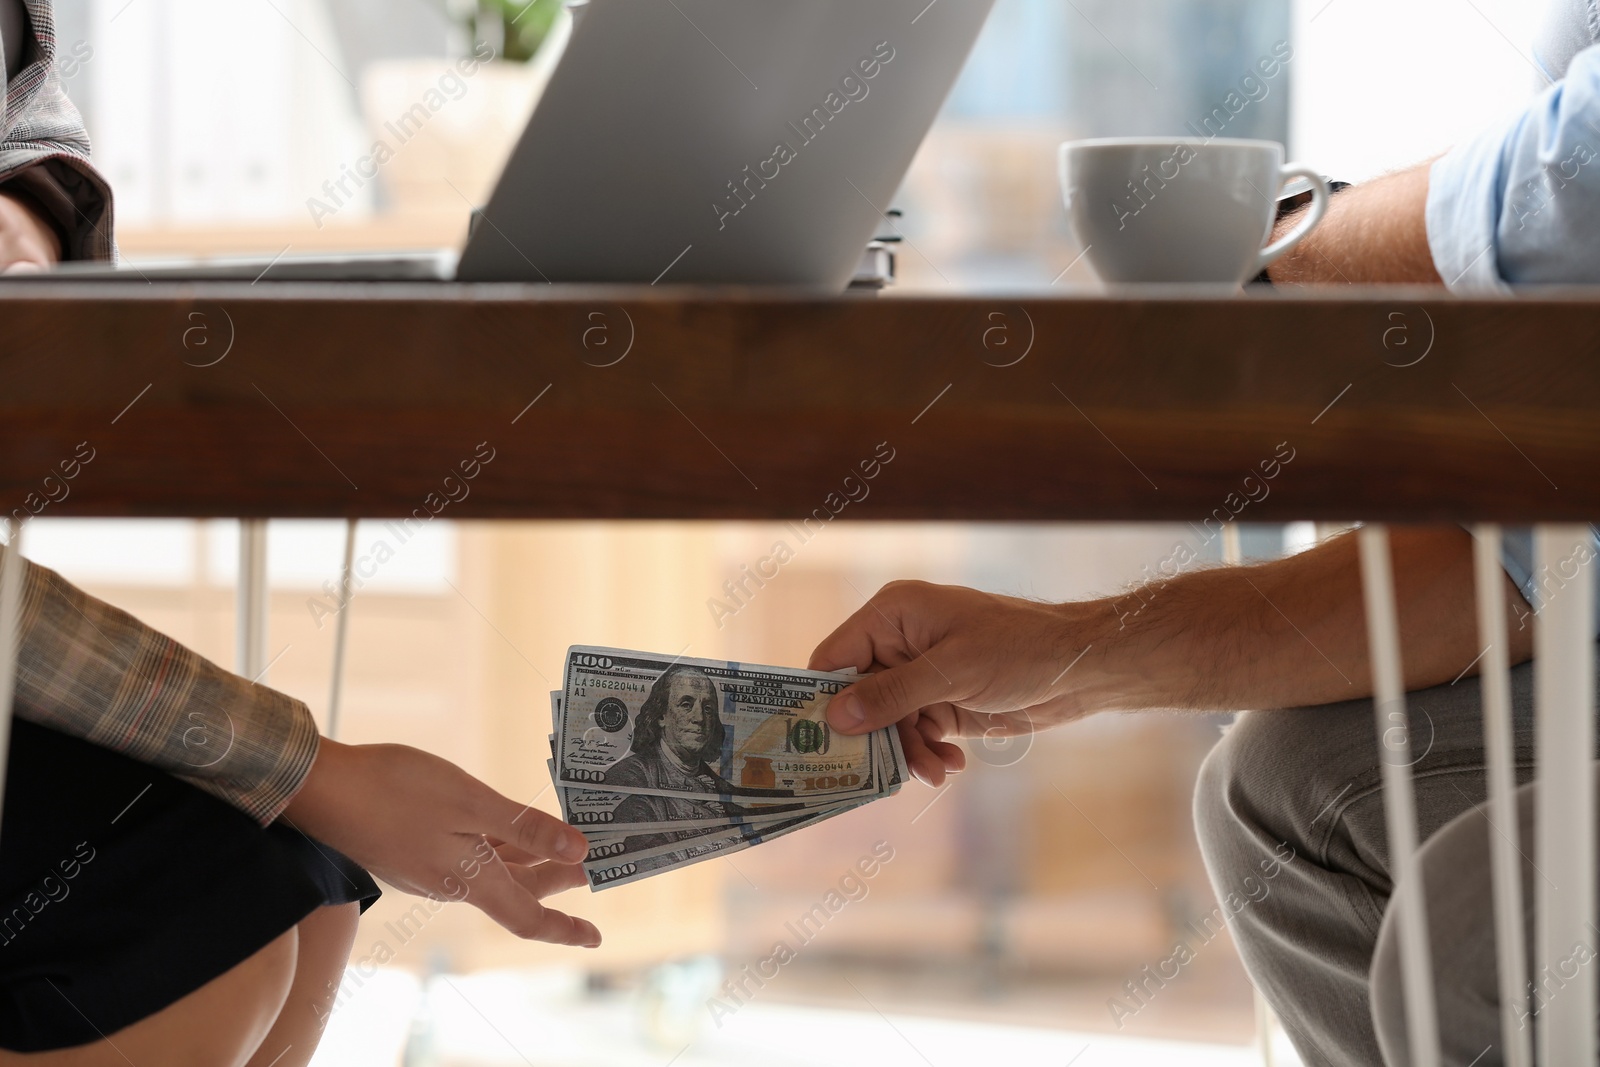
(953, 662)
(427, 827)
(27, 242)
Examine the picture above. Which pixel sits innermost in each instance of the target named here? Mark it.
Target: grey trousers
(1316, 940)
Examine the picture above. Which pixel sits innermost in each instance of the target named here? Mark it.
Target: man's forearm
(1375, 232)
(1291, 632)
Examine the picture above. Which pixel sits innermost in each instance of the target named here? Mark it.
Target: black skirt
(123, 889)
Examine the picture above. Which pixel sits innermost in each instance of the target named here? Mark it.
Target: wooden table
(342, 400)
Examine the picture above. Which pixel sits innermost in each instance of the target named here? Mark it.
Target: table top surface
(505, 401)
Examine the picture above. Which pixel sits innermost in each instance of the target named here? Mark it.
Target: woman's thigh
(218, 1025)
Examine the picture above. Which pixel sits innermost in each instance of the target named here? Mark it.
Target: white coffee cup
(1148, 209)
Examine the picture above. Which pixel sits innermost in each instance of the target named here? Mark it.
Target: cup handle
(1319, 208)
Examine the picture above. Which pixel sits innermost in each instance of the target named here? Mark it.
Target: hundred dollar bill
(678, 732)
(613, 850)
(593, 810)
(621, 870)
(636, 838)
(613, 847)
(651, 823)
(603, 811)
(610, 850)
(601, 814)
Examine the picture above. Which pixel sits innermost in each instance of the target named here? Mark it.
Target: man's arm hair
(1293, 632)
(1375, 232)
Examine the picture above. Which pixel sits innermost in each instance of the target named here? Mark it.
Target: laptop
(754, 142)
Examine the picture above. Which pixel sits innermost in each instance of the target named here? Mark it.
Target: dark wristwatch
(1288, 206)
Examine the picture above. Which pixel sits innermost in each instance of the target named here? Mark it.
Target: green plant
(521, 24)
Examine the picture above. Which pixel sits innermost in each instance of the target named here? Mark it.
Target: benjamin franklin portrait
(677, 738)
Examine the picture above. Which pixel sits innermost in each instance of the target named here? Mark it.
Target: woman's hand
(954, 662)
(27, 242)
(427, 827)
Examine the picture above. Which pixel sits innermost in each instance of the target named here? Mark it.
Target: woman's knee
(218, 1025)
(326, 937)
(230, 1015)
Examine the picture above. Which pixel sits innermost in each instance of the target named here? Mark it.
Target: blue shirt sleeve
(1516, 556)
(1520, 203)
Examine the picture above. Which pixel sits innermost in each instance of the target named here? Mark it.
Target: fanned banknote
(665, 761)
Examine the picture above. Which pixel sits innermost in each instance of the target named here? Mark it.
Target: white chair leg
(1504, 849)
(1563, 685)
(251, 601)
(1266, 1029)
(1399, 802)
(341, 630)
(10, 635)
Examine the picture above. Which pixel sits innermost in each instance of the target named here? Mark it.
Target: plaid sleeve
(44, 150)
(89, 670)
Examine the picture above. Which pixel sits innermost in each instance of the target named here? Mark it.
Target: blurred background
(1022, 900)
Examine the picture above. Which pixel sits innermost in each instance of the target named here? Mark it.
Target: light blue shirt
(1520, 205)
(1516, 556)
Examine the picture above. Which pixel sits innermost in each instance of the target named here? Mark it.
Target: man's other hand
(953, 662)
(27, 242)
